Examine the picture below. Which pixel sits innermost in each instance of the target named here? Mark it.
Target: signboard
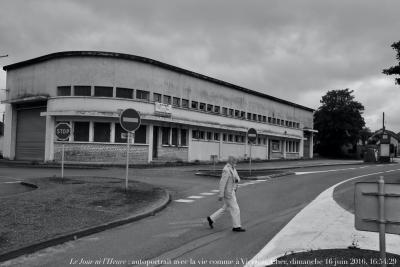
(63, 131)
(252, 135)
(130, 120)
(163, 109)
(366, 206)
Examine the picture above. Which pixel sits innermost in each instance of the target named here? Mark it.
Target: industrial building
(186, 116)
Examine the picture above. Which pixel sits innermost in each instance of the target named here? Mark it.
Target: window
(243, 139)
(124, 93)
(269, 119)
(231, 112)
(273, 120)
(185, 103)
(230, 137)
(167, 99)
(278, 121)
(183, 137)
(82, 90)
(209, 136)
(275, 145)
(243, 115)
(202, 106)
(142, 95)
(224, 137)
(254, 117)
(264, 141)
(101, 131)
(195, 104)
(298, 125)
(264, 118)
(176, 102)
(201, 135)
(209, 108)
(81, 131)
(140, 135)
(64, 90)
(237, 113)
(103, 91)
(282, 122)
(195, 134)
(216, 109)
(248, 115)
(259, 140)
(157, 97)
(259, 118)
(165, 135)
(216, 136)
(174, 136)
(224, 111)
(120, 134)
(237, 138)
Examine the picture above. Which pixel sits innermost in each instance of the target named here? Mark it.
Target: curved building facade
(186, 116)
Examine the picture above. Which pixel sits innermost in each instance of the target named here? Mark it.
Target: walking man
(227, 187)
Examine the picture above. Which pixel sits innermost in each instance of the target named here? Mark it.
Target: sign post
(130, 122)
(251, 137)
(376, 210)
(63, 131)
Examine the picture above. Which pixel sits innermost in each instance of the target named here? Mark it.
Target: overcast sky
(296, 50)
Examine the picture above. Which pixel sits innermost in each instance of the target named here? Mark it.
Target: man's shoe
(210, 222)
(238, 229)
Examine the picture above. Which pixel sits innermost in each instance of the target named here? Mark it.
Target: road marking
(196, 197)
(216, 191)
(208, 194)
(336, 170)
(184, 200)
(13, 182)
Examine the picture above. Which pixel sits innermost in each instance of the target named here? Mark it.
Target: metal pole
(62, 163)
(250, 159)
(127, 161)
(382, 220)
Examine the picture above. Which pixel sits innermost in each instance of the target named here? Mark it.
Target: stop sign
(252, 135)
(130, 120)
(63, 131)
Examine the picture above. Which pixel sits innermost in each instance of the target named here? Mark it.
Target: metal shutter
(31, 134)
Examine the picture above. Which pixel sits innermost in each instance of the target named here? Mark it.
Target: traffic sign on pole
(252, 135)
(130, 122)
(63, 131)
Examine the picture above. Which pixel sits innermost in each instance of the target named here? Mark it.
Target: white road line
(13, 182)
(216, 191)
(335, 170)
(207, 194)
(184, 200)
(196, 197)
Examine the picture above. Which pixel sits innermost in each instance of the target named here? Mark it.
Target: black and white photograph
(199, 133)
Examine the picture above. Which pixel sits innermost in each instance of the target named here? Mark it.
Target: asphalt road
(179, 233)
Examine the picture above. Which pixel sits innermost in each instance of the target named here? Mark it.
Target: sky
(296, 50)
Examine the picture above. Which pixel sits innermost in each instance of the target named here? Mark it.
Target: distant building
(186, 116)
(393, 137)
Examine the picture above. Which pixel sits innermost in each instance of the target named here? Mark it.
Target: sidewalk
(323, 224)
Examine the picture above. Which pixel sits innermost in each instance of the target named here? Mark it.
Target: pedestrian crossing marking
(207, 194)
(184, 200)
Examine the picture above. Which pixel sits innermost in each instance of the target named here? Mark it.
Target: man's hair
(232, 159)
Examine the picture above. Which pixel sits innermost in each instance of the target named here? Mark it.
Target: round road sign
(129, 120)
(252, 135)
(63, 131)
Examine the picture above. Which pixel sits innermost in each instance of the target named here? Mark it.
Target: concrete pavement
(323, 224)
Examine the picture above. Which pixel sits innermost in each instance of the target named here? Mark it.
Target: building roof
(378, 133)
(151, 62)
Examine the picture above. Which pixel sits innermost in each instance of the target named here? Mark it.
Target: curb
(165, 200)
(255, 178)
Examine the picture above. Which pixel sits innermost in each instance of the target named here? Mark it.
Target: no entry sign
(130, 120)
(63, 131)
(252, 135)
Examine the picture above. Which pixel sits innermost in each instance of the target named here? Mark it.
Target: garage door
(31, 133)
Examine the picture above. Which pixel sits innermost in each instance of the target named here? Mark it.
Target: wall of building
(100, 153)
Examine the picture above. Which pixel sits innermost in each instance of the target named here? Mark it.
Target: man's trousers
(233, 207)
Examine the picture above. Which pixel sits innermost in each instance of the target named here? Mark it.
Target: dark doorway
(155, 142)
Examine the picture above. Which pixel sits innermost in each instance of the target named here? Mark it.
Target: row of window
(107, 91)
(102, 132)
(226, 137)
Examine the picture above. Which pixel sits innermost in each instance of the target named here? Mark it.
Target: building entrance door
(155, 142)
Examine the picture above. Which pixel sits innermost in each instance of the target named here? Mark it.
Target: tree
(395, 70)
(338, 121)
